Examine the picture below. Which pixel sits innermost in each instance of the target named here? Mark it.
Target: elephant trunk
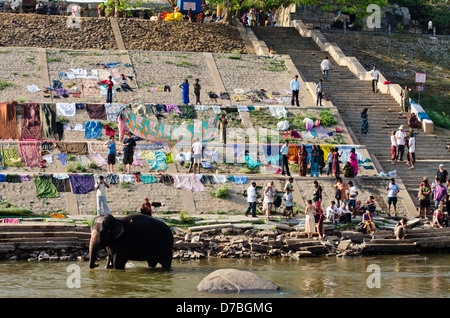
(94, 246)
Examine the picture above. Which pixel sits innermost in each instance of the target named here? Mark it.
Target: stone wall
(32, 30)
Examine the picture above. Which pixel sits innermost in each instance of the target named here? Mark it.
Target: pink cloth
(99, 159)
(122, 128)
(30, 153)
(354, 163)
(169, 107)
(188, 182)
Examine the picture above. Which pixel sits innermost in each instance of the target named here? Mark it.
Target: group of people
(258, 18)
(399, 140)
(128, 146)
(439, 192)
(340, 211)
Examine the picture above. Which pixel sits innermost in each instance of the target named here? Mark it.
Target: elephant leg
(166, 264)
(119, 262)
(109, 262)
(152, 263)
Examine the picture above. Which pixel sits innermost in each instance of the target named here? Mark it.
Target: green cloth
(252, 163)
(170, 158)
(48, 122)
(11, 157)
(14, 178)
(147, 178)
(45, 188)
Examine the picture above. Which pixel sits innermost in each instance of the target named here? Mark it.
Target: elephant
(133, 237)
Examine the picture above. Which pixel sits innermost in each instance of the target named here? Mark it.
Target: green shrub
(4, 84)
(327, 119)
(221, 193)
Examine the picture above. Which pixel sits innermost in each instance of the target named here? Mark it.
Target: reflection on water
(400, 276)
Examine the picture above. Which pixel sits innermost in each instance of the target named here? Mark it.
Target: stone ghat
(31, 30)
(68, 242)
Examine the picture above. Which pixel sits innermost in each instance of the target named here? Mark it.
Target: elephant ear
(117, 229)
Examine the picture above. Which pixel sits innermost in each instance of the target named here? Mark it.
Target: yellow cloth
(148, 155)
(326, 150)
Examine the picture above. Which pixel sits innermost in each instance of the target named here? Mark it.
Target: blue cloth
(159, 163)
(274, 160)
(2, 177)
(185, 93)
(82, 184)
(63, 158)
(423, 115)
(92, 129)
(252, 163)
(240, 179)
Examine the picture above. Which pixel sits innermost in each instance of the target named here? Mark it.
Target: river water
(369, 276)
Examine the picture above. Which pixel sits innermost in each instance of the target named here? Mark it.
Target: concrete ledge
(259, 47)
(247, 42)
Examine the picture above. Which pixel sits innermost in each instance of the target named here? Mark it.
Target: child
(288, 208)
(309, 219)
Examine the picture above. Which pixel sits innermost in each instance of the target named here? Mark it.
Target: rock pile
(244, 241)
(32, 30)
(180, 36)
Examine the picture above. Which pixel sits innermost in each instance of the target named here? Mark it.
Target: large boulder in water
(235, 281)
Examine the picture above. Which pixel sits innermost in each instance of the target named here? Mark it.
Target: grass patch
(75, 167)
(54, 59)
(5, 84)
(327, 119)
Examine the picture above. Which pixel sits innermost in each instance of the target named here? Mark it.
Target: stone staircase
(351, 95)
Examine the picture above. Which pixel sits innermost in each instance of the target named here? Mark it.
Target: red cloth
(30, 153)
(109, 131)
(31, 121)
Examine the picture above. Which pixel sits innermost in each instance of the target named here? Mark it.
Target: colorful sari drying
(30, 153)
(82, 184)
(11, 157)
(49, 129)
(31, 121)
(9, 128)
(160, 132)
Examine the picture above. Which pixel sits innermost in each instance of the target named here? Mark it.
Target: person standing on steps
(430, 27)
(393, 148)
(411, 150)
(251, 199)
(109, 87)
(405, 99)
(319, 91)
(325, 67)
(223, 127)
(285, 163)
(364, 121)
(100, 187)
(197, 89)
(185, 92)
(129, 146)
(393, 190)
(295, 88)
(374, 74)
(401, 141)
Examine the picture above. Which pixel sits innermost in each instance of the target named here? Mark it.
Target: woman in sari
(364, 121)
(302, 157)
(413, 121)
(185, 92)
(354, 161)
(335, 169)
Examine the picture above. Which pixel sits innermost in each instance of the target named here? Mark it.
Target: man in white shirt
(288, 205)
(197, 154)
(251, 199)
(284, 155)
(101, 196)
(353, 195)
(345, 215)
(430, 27)
(295, 88)
(374, 73)
(325, 67)
(332, 212)
(400, 135)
